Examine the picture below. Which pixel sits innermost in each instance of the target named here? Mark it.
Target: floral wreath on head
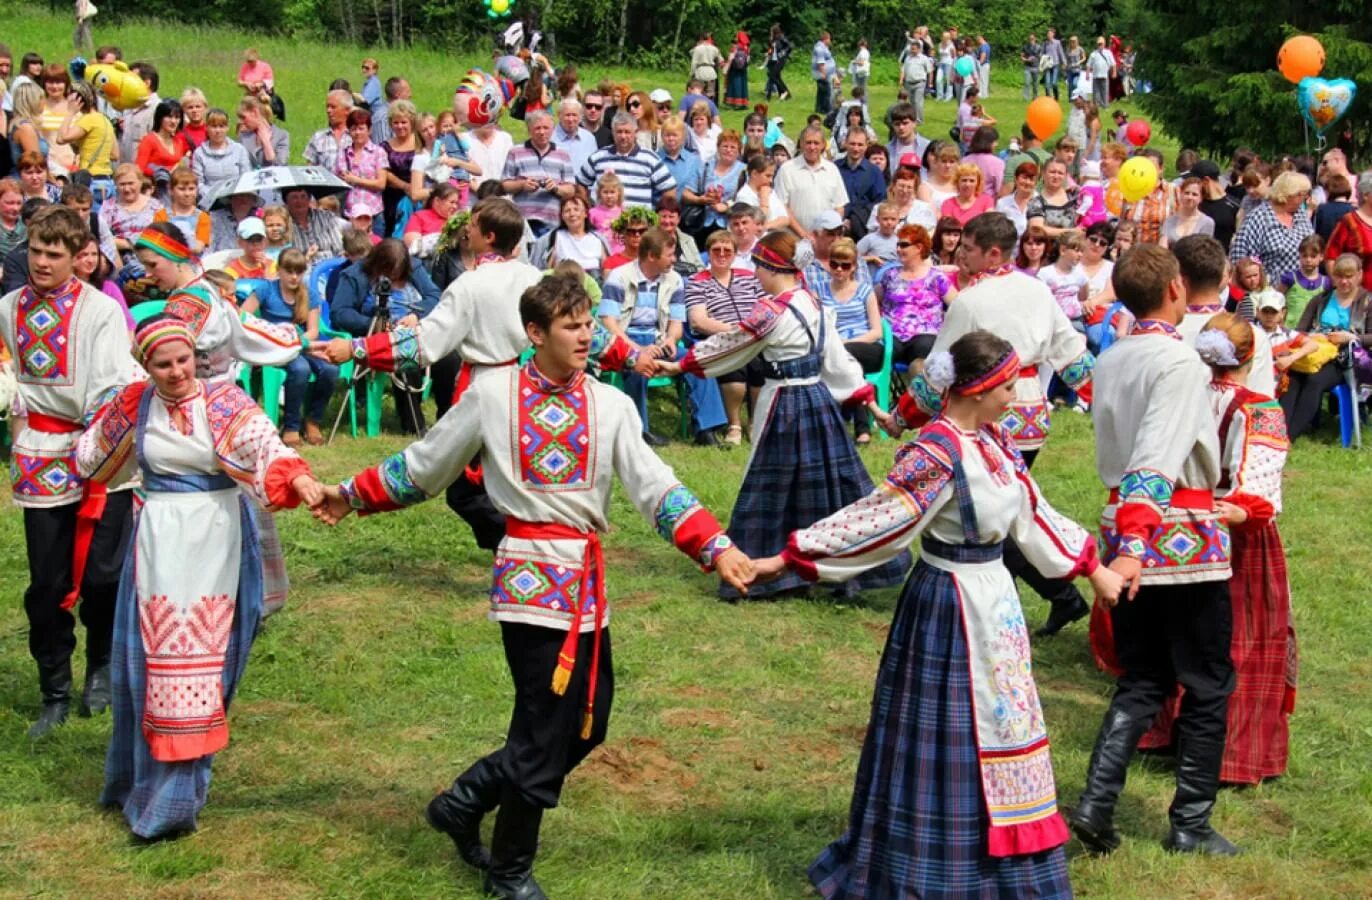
(632, 215)
(451, 235)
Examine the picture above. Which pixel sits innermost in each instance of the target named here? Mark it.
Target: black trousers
(1301, 402)
(1177, 634)
(409, 404)
(473, 504)
(544, 742)
(869, 355)
(50, 535)
(774, 83)
(1055, 590)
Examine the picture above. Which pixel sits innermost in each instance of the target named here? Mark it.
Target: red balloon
(1138, 132)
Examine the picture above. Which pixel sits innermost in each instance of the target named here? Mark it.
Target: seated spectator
(609, 203)
(14, 268)
(224, 222)
(644, 301)
(971, 200)
(361, 218)
(538, 175)
(1341, 316)
(288, 300)
(758, 191)
(1066, 280)
(313, 231)
(267, 143)
(688, 261)
(184, 212)
(857, 316)
(425, 226)
(947, 240)
(218, 163)
(278, 224)
(572, 240)
(913, 296)
(745, 224)
(904, 193)
(164, 147)
(12, 230)
(254, 261)
(1036, 250)
(127, 213)
(1339, 204)
(32, 169)
(93, 268)
(628, 230)
(717, 300)
(877, 248)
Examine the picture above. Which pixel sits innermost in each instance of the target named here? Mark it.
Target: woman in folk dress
(803, 465)
(185, 620)
(955, 794)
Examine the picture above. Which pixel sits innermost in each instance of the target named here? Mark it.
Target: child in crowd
(1310, 281)
(1288, 344)
(1091, 209)
(12, 231)
(360, 218)
(451, 162)
(1248, 277)
(1066, 153)
(334, 207)
(356, 244)
(278, 224)
(1065, 278)
(877, 248)
(185, 212)
(977, 118)
(254, 263)
(609, 203)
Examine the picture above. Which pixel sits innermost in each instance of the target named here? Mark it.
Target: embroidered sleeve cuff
(1132, 546)
(1260, 510)
(712, 549)
(1138, 520)
(862, 396)
(349, 491)
(797, 562)
(385, 487)
(278, 481)
(1088, 560)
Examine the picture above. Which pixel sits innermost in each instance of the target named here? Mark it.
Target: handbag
(1324, 353)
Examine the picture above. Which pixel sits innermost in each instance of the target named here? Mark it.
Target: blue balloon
(965, 66)
(1322, 103)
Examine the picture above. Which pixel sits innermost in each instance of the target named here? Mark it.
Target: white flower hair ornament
(805, 254)
(1216, 349)
(939, 372)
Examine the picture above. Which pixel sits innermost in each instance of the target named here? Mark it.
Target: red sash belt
(88, 513)
(1029, 372)
(464, 381)
(592, 567)
(1182, 498)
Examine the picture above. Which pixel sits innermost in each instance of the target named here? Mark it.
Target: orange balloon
(1300, 57)
(1044, 116)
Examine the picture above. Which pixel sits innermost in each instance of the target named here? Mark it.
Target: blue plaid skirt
(803, 469)
(918, 823)
(162, 799)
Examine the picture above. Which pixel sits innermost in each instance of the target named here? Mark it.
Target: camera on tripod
(382, 292)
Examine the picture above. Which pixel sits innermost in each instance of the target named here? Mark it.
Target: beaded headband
(770, 259)
(159, 332)
(1007, 369)
(164, 245)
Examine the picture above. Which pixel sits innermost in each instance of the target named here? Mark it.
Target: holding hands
(333, 506)
(736, 569)
(335, 350)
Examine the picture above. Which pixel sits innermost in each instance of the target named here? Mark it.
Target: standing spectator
(362, 166)
(396, 89)
(371, 83)
(736, 89)
(1353, 233)
(12, 229)
(759, 194)
(1100, 65)
(983, 66)
(1029, 58)
(1187, 218)
(1075, 55)
(92, 136)
(684, 165)
(138, 122)
(267, 143)
(971, 200)
(255, 73)
(861, 66)
(489, 147)
(1053, 63)
(914, 79)
(194, 107)
(577, 142)
(864, 182)
(642, 174)
(704, 133)
(1054, 208)
(705, 62)
(56, 84)
(538, 175)
(1272, 232)
(1015, 205)
(822, 68)
(809, 184)
(163, 147)
(401, 148)
(905, 138)
(219, 162)
(593, 107)
(778, 51)
(943, 78)
(182, 211)
(127, 214)
(981, 152)
(322, 150)
(720, 180)
(1339, 189)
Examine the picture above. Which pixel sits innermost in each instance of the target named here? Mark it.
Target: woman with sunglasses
(913, 295)
(858, 320)
(641, 108)
(1098, 267)
(1036, 250)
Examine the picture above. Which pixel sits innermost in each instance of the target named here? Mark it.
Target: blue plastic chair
(1350, 423)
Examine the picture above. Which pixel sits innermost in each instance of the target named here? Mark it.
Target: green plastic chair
(614, 379)
(882, 380)
(146, 309)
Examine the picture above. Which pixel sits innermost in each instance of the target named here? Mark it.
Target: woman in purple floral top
(913, 294)
(362, 165)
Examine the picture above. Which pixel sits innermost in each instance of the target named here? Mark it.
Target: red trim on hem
(1026, 837)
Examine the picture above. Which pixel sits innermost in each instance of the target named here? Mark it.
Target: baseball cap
(828, 221)
(357, 208)
(251, 227)
(1090, 169)
(1120, 114)
(1205, 169)
(1270, 299)
(909, 160)
(660, 96)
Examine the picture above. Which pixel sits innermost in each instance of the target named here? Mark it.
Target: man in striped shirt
(643, 175)
(538, 176)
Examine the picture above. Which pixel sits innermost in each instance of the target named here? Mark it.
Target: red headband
(1005, 370)
(768, 258)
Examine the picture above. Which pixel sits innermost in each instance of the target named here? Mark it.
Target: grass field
(736, 728)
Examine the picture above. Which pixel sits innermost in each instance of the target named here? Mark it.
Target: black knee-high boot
(513, 847)
(1093, 818)
(458, 811)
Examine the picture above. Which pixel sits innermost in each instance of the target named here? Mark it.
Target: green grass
(736, 728)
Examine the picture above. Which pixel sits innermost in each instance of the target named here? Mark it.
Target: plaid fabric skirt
(803, 469)
(276, 584)
(162, 799)
(1265, 664)
(918, 823)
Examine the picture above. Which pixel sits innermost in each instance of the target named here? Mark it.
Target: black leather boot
(95, 699)
(55, 683)
(1065, 611)
(1092, 819)
(458, 811)
(513, 846)
(1198, 781)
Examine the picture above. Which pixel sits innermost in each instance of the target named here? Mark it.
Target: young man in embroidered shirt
(71, 351)
(553, 485)
(1157, 450)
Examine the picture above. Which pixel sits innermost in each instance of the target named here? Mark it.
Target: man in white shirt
(1101, 65)
(810, 184)
(914, 77)
(322, 150)
(822, 68)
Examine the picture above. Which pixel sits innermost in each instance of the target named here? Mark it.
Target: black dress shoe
(53, 715)
(449, 814)
(95, 699)
(1207, 842)
(1097, 835)
(1062, 615)
(654, 440)
(708, 438)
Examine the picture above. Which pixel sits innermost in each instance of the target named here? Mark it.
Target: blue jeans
(1031, 83)
(943, 82)
(707, 406)
(1050, 82)
(298, 373)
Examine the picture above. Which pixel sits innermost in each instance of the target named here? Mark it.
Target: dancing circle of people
(137, 443)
